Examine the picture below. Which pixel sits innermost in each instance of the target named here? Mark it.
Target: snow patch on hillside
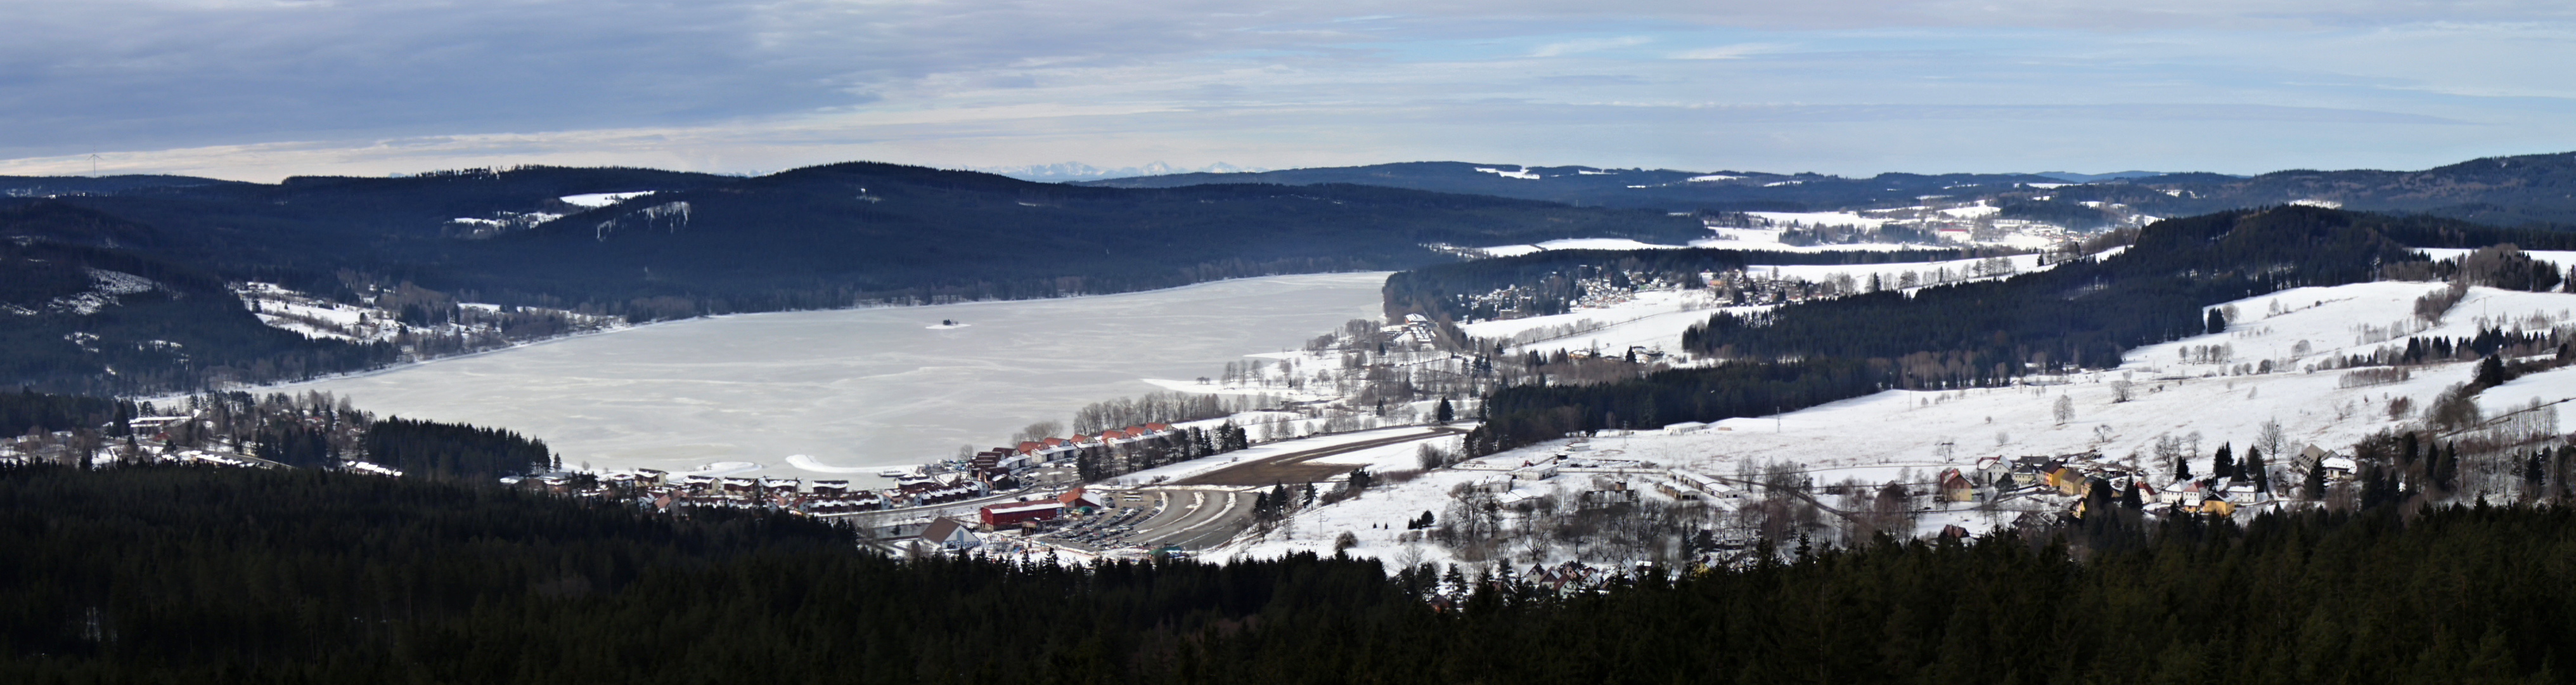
(598, 200)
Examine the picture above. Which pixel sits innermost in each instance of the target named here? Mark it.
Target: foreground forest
(167, 574)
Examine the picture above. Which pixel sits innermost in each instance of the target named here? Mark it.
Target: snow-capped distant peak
(1522, 173)
(1713, 177)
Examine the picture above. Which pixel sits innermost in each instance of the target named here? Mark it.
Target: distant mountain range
(1077, 171)
(2526, 189)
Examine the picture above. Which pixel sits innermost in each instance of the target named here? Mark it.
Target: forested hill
(85, 306)
(197, 575)
(1665, 189)
(832, 235)
(816, 237)
(2508, 191)
(2082, 313)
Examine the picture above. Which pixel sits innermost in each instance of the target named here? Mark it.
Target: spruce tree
(1443, 413)
(2223, 465)
(2254, 470)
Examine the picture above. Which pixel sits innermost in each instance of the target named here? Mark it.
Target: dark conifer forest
(175, 574)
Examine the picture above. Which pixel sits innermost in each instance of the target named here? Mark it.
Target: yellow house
(2067, 480)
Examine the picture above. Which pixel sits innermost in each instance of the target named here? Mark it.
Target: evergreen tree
(2255, 471)
(2490, 373)
(2447, 466)
(2217, 322)
(1443, 413)
(2315, 487)
(2223, 464)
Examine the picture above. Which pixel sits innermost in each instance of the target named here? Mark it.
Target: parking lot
(1153, 518)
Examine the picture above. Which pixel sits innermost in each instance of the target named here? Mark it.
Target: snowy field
(1909, 436)
(2562, 258)
(1768, 239)
(1654, 319)
(856, 389)
(1888, 273)
(1575, 244)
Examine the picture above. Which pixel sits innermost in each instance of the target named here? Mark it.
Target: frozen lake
(858, 388)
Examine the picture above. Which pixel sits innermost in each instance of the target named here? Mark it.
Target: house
(2310, 457)
(2067, 480)
(1713, 487)
(1678, 493)
(1016, 513)
(1956, 488)
(831, 487)
(950, 535)
(1685, 427)
(2184, 495)
(2340, 468)
(1993, 471)
(1535, 472)
(1617, 494)
(943, 495)
(1079, 501)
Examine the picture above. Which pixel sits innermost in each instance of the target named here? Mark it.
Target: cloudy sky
(260, 89)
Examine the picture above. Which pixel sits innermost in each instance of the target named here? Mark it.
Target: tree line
(235, 575)
(1543, 282)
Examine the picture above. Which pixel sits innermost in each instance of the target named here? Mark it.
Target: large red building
(1015, 513)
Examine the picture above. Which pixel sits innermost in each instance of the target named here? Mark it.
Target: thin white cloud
(1736, 51)
(1588, 45)
(212, 86)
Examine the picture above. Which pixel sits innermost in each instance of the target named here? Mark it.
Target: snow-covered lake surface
(858, 389)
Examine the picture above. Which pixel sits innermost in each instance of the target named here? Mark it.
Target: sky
(263, 89)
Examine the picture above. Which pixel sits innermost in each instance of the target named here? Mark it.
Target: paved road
(1197, 518)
